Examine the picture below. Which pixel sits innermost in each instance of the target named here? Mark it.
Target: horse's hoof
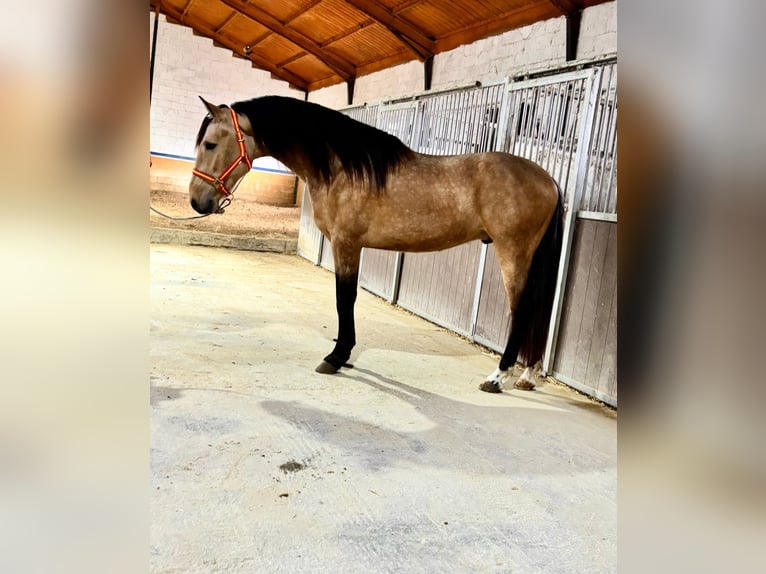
(326, 368)
(524, 385)
(491, 387)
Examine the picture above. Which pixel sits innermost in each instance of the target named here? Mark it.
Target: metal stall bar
(583, 149)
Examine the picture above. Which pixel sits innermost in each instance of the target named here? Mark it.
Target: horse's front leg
(346, 276)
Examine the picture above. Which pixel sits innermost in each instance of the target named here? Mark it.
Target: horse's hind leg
(346, 275)
(514, 268)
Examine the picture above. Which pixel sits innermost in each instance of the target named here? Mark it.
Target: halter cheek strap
(219, 182)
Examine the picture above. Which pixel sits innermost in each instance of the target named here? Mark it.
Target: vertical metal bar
(477, 291)
(471, 106)
(417, 125)
(465, 101)
(397, 279)
(454, 123)
(483, 123)
(562, 129)
(460, 124)
(565, 92)
(154, 49)
(479, 120)
(552, 100)
(569, 224)
(521, 126)
(503, 117)
(424, 113)
(521, 122)
(466, 106)
(320, 250)
(443, 114)
(514, 113)
(612, 184)
(434, 122)
(550, 104)
(452, 115)
(611, 148)
(535, 93)
(485, 120)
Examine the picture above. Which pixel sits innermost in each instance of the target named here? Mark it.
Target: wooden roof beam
(313, 4)
(338, 65)
(206, 30)
(406, 5)
(225, 23)
(412, 38)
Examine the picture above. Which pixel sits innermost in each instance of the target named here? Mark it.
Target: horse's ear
(214, 110)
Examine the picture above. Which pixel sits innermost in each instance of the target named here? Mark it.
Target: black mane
(310, 136)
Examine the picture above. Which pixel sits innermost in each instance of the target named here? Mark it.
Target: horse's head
(225, 148)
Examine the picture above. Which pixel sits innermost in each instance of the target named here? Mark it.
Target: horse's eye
(210, 145)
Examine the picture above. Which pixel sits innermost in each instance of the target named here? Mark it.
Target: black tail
(536, 300)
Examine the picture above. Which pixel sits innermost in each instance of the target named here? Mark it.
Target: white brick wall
(530, 48)
(598, 31)
(332, 97)
(186, 66)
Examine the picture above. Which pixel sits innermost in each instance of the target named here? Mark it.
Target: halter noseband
(219, 182)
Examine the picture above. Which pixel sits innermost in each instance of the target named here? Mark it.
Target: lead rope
(223, 205)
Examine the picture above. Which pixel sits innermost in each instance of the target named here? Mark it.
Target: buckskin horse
(368, 189)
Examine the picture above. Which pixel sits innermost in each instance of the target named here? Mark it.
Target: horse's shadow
(539, 436)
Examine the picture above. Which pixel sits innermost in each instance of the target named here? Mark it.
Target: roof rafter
(225, 23)
(413, 38)
(207, 30)
(338, 65)
(407, 4)
(346, 33)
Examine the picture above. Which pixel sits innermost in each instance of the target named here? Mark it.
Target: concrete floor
(398, 465)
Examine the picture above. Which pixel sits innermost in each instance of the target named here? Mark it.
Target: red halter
(219, 182)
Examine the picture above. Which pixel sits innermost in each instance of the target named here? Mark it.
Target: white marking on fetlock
(526, 381)
(497, 377)
(528, 375)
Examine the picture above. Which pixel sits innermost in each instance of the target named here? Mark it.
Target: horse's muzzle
(205, 207)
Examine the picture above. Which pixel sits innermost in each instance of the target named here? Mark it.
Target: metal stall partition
(583, 346)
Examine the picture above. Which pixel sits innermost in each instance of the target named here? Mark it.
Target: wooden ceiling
(313, 44)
